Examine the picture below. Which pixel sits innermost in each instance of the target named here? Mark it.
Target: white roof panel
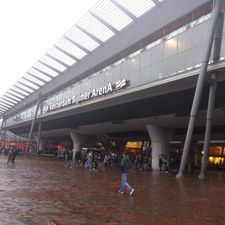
(137, 7)
(10, 99)
(45, 69)
(23, 87)
(61, 56)
(94, 27)
(111, 14)
(52, 63)
(28, 83)
(23, 93)
(71, 48)
(38, 74)
(10, 91)
(35, 80)
(6, 102)
(81, 38)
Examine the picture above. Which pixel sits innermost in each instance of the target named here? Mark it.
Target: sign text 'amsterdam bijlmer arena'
(96, 92)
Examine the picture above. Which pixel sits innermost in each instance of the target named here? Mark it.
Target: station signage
(96, 92)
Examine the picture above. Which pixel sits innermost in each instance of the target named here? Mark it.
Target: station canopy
(106, 19)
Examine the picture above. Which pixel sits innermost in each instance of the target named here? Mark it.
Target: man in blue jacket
(125, 169)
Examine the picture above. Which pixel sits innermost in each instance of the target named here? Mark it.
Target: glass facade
(177, 52)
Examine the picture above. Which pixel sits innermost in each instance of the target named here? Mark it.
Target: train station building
(150, 73)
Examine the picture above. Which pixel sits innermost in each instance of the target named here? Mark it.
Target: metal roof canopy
(91, 32)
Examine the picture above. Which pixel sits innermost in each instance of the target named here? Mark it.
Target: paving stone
(44, 192)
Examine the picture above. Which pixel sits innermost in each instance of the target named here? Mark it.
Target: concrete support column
(160, 138)
(78, 141)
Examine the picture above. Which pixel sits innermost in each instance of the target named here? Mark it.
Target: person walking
(11, 157)
(125, 169)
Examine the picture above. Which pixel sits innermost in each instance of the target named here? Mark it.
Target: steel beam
(78, 45)
(58, 61)
(109, 26)
(43, 72)
(22, 89)
(128, 13)
(67, 53)
(90, 35)
(50, 67)
(32, 82)
(38, 78)
(10, 99)
(25, 85)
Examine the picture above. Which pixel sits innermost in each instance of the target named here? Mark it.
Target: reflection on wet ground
(44, 192)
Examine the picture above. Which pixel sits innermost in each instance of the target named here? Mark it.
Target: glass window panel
(116, 73)
(107, 11)
(96, 28)
(108, 76)
(45, 69)
(134, 63)
(134, 79)
(198, 52)
(185, 41)
(170, 47)
(98, 80)
(67, 93)
(170, 66)
(71, 48)
(125, 76)
(137, 8)
(86, 85)
(76, 89)
(61, 56)
(157, 53)
(156, 71)
(200, 33)
(53, 63)
(224, 26)
(185, 60)
(125, 68)
(81, 38)
(60, 97)
(223, 47)
(145, 58)
(144, 75)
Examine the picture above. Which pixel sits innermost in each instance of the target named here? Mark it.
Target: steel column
(39, 131)
(1, 127)
(212, 94)
(199, 86)
(32, 125)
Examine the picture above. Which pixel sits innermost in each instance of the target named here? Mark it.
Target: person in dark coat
(125, 169)
(12, 157)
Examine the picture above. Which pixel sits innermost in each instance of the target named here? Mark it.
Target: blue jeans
(90, 164)
(124, 183)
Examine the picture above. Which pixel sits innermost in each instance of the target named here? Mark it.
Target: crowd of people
(106, 160)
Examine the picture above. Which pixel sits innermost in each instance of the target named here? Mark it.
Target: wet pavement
(44, 192)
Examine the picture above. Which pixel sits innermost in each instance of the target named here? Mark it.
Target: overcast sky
(31, 27)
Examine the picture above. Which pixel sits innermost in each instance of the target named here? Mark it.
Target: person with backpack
(125, 169)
